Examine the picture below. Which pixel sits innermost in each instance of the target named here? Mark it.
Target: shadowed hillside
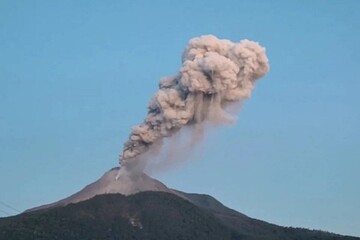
(147, 215)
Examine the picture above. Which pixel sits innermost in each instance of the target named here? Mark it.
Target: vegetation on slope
(149, 216)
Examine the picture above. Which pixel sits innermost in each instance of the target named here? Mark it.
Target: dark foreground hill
(147, 215)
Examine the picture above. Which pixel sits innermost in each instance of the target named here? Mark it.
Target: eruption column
(214, 73)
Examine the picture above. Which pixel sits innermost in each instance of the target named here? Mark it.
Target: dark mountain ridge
(148, 215)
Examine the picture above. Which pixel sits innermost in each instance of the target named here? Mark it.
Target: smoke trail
(214, 73)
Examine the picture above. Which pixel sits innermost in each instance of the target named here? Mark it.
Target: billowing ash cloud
(214, 73)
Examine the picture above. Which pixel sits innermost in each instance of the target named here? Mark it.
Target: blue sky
(76, 75)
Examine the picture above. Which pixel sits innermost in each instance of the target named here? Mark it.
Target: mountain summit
(108, 183)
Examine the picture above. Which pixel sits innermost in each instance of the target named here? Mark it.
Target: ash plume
(214, 73)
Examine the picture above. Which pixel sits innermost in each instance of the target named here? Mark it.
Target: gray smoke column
(214, 73)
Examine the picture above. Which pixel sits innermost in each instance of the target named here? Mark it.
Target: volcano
(139, 207)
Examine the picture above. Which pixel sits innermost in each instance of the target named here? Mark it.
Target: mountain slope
(254, 228)
(135, 186)
(148, 215)
(125, 185)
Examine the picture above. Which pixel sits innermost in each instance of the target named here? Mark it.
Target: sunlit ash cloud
(214, 73)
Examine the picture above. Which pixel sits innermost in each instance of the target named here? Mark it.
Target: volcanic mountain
(139, 207)
(125, 185)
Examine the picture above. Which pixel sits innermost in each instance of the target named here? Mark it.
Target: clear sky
(76, 75)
